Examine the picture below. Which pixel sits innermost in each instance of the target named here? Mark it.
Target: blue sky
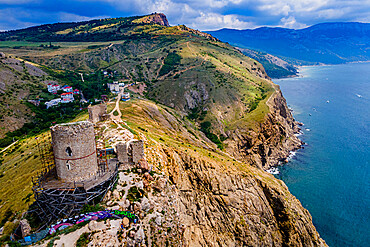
(198, 14)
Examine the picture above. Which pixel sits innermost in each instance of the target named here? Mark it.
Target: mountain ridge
(328, 43)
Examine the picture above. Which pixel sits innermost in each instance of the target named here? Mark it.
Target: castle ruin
(74, 151)
(97, 113)
(130, 152)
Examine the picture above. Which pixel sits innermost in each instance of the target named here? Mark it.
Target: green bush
(135, 194)
(206, 129)
(83, 240)
(170, 62)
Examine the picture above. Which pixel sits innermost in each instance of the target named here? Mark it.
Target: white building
(114, 87)
(125, 96)
(53, 88)
(52, 102)
(67, 97)
(67, 89)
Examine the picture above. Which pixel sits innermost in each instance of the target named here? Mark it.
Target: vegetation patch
(206, 129)
(83, 240)
(170, 62)
(135, 194)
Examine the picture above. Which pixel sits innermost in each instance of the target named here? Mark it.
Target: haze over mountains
(328, 43)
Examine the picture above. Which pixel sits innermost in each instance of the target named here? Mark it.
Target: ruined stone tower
(74, 151)
(97, 113)
(137, 151)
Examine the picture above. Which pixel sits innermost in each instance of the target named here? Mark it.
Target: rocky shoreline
(272, 142)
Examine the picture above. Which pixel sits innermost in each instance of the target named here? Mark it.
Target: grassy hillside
(220, 88)
(213, 87)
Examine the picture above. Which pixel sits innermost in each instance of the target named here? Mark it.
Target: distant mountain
(274, 66)
(329, 43)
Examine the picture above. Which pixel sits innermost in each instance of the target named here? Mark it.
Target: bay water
(331, 175)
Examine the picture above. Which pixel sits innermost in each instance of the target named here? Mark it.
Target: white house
(52, 102)
(53, 88)
(113, 87)
(67, 97)
(67, 89)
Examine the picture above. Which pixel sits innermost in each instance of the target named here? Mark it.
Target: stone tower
(137, 150)
(74, 151)
(97, 112)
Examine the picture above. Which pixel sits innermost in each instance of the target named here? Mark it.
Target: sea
(331, 174)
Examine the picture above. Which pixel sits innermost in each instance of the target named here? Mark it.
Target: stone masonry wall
(97, 112)
(137, 150)
(122, 152)
(74, 151)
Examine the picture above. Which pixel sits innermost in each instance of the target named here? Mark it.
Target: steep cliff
(271, 141)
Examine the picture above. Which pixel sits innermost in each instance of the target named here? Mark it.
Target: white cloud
(290, 22)
(215, 14)
(213, 21)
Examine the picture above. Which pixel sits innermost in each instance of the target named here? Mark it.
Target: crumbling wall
(25, 228)
(130, 154)
(97, 113)
(122, 152)
(137, 151)
(74, 151)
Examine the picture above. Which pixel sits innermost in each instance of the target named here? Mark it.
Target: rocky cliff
(156, 18)
(272, 141)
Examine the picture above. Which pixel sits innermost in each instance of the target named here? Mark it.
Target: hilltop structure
(130, 153)
(74, 174)
(74, 151)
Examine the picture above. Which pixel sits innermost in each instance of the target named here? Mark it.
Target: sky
(205, 15)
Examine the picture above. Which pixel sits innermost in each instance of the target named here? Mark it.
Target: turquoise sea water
(331, 175)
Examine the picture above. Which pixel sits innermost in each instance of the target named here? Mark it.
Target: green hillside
(220, 88)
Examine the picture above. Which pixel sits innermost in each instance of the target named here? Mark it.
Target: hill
(211, 118)
(328, 43)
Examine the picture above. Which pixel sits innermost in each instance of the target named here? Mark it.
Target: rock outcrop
(271, 142)
(156, 18)
(229, 207)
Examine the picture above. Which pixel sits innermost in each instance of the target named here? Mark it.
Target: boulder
(158, 220)
(116, 195)
(96, 226)
(160, 184)
(143, 165)
(25, 228)
(145, 204)
(137, 207)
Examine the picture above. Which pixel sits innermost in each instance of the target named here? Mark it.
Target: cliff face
(271, 142)
(222, 207)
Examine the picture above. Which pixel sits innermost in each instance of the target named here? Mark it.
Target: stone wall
(97, 113)
(130, 153)
(74, 151)
(137, 150)
(122, 152)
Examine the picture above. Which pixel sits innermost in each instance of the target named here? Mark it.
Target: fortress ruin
(98, 113)
(74, 151)
(130, 153)
(79, 167)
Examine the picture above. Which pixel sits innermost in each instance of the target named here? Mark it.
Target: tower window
(69, 151)
(68, 167)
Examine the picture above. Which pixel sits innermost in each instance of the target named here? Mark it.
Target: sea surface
(331, 175)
